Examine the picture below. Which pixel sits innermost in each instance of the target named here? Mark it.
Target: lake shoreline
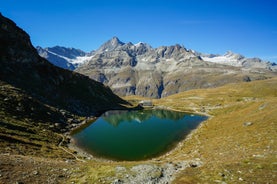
(81, 152)
(186, 111)
(71, 144)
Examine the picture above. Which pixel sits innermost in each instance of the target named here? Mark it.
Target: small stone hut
(146, 103)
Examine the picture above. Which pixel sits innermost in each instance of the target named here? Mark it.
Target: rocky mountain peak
(115, 40)
(142, 44)
(175, 51)
(139, 69)
(110, 45)
(231, 54)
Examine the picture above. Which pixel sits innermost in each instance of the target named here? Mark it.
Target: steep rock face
(110, 45)
(23, 68)
(139, 69)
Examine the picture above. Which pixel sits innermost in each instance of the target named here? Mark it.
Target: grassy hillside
(27, 126)
(38, 102)
(238, 143)
(235, 145)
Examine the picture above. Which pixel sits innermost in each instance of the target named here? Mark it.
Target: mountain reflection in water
(135, 135)
(117, 117)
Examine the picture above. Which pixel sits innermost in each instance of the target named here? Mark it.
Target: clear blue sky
(248, 27)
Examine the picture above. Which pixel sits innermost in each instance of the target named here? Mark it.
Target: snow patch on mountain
(237, 60)
(80, 60)
(228, 59)
(68, 58)
(143, 57)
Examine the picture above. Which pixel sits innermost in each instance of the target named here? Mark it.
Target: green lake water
(135, 135)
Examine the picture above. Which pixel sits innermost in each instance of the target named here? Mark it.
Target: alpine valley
(139, 69)
(41, 105)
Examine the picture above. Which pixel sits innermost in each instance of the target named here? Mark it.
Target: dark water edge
(135, 135)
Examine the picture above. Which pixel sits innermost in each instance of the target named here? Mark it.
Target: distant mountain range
(71, 58)
(139, 69)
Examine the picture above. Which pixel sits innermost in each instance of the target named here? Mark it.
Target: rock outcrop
(139, 69)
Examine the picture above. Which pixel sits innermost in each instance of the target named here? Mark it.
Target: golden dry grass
(231, 151)
(237, 144)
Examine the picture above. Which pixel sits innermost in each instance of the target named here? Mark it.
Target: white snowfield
(227, 59)
(237, 60)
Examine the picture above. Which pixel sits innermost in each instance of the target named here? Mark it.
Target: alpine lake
(135, 135)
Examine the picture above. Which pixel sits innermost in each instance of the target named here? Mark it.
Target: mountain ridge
(115, 43)
(139, 69)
